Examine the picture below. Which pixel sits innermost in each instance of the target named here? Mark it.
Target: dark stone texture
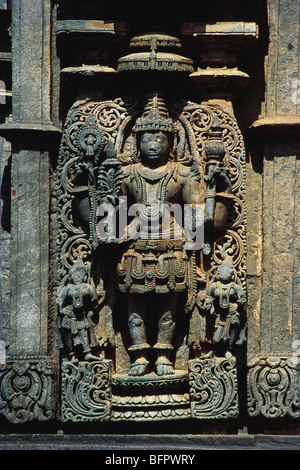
(163, 442)
(63, 52)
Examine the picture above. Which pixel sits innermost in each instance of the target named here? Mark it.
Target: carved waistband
(160, 245)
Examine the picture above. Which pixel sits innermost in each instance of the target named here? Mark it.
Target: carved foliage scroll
(213, 388)
(273, 388)
(86, 391)
(27, 391)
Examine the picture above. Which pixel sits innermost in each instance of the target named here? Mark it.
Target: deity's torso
(157, 261)
(151, 185)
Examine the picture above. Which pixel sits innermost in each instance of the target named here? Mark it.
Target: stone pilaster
(273, 377)
(29, 363)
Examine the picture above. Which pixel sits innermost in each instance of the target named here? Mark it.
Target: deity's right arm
(62, 297)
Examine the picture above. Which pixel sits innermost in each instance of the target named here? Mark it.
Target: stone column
(219, 81)
(27, 379)
(273, 364)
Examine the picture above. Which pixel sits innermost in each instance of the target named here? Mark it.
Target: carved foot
(164, 366)
(139, 367)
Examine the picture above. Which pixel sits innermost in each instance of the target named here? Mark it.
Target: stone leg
(88, 356)
(137, 330)
(166, 327)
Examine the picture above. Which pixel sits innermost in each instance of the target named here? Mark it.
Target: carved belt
(154, 265)
(159, 245)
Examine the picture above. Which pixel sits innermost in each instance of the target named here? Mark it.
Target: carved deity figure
(75, 302)
(155, 270)
(140, 181)
(225, 300)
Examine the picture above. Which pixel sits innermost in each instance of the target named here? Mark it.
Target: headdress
(78, 266)
(155, 116)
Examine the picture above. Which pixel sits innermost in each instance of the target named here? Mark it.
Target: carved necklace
(142, 177)
(224, 294)
(152, 175)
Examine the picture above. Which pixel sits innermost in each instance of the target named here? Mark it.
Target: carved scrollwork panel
(273, 387)
(86, 391)
(27, 391)
(213, 388)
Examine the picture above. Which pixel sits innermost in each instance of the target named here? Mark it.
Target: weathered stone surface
(213, 388)
(273, 387)
(148, 443)
(29, 253)
(27, 390)
(31, 61)
(86, 391)
(82, 45)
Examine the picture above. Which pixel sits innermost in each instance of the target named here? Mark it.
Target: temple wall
(246, 63)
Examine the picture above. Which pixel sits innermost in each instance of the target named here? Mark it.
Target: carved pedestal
(150, 397)
(208, 391)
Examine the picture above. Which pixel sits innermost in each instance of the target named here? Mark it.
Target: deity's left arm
(222, 210)
(194, 193)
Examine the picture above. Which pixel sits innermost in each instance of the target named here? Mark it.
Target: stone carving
(86, 391)
(156, 295)
(75, 302)
(225, 301)
(147, 54)
(213, 388)
(156, 265)
(147, 398)
(27, 391)
(273, 387)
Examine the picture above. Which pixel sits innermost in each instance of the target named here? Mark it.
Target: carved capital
(273, 387)
(27, 390)
(86, 391)
(213, 388)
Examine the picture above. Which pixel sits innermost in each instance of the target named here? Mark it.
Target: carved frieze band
(213, 388)
(27, 390)
(209, 392)
(86, 391)
(273, 387)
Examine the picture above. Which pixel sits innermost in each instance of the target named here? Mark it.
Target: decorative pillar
(273, 364)
(219, 82)
(27, 379)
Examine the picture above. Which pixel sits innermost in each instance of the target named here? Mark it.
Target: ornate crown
(155, 116)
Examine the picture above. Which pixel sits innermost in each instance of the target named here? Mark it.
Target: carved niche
(149, 324)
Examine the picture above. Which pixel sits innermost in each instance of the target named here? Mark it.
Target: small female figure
(225, 300)
(75, 303)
